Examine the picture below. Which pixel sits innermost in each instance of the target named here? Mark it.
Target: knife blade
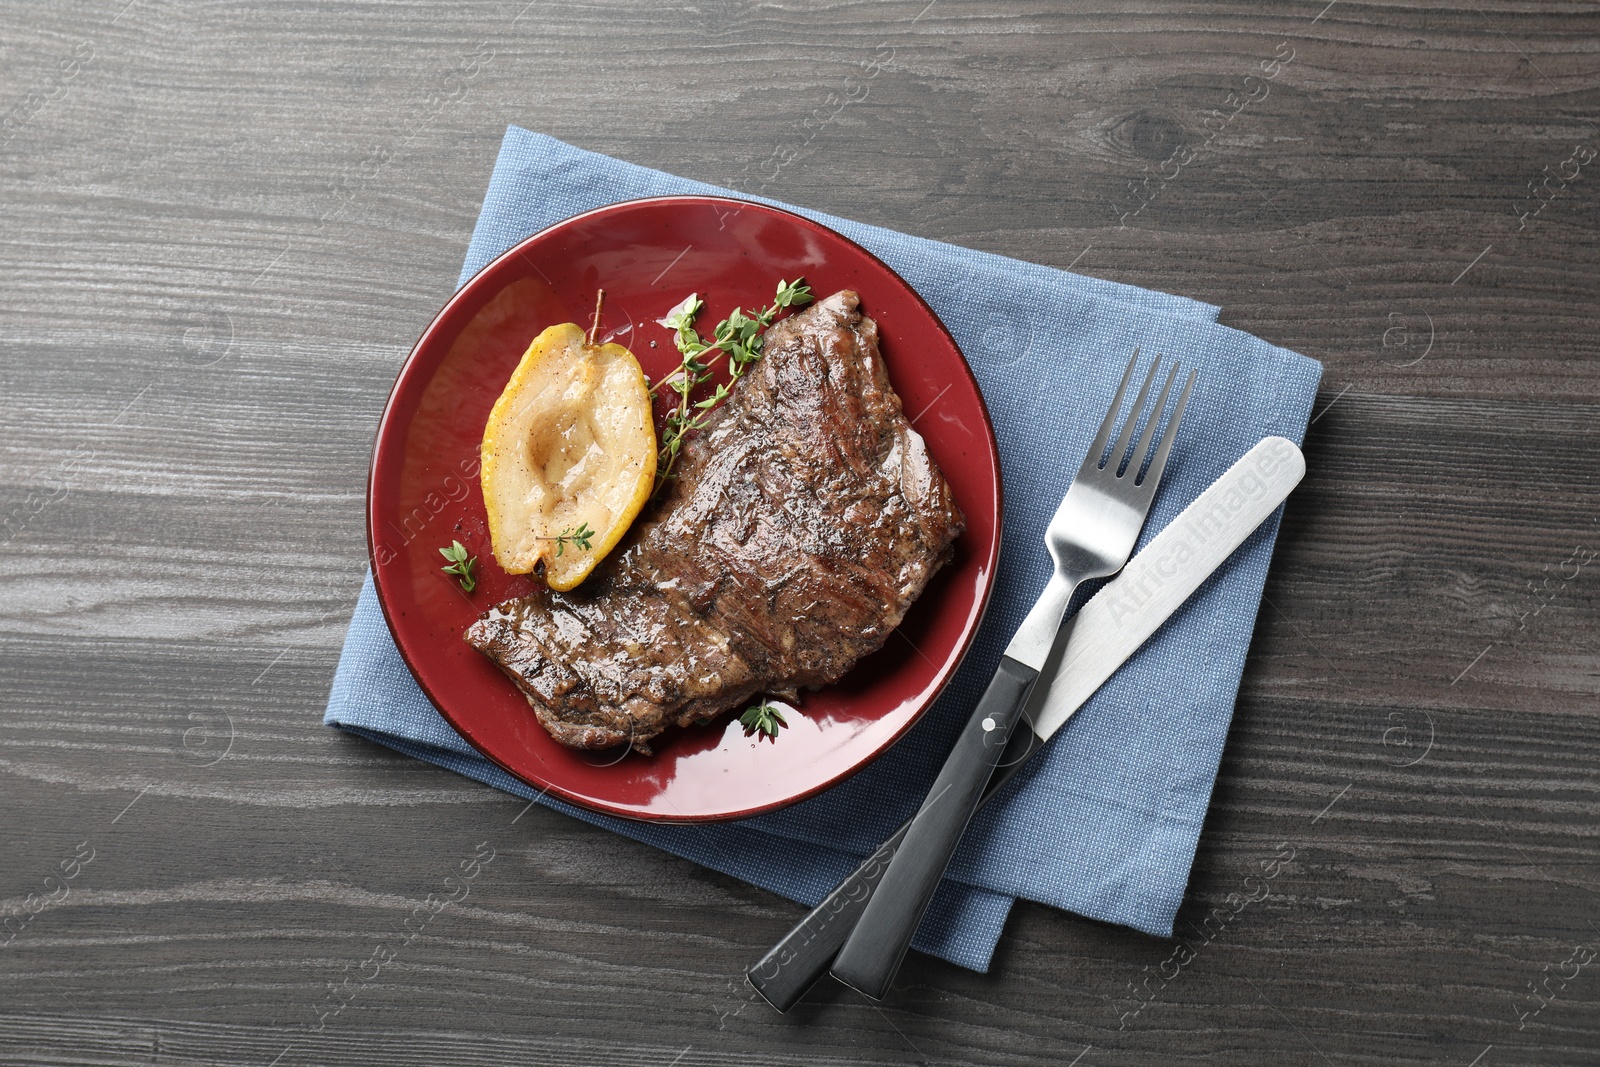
(1109, 628)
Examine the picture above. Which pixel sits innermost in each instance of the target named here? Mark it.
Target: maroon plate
(424, 492)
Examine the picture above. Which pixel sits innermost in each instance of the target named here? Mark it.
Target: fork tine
(1092, 461)
(1141, 451)
(1153, 478)
(1114, 464)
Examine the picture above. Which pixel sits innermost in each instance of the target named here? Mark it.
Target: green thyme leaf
(792, 294)
(460, 565)
(762, 718)
(681, 318)
(581, 538)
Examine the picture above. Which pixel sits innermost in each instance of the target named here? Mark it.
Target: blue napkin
(1105, 821)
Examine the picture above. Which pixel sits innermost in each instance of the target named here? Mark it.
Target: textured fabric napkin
(1105, 821)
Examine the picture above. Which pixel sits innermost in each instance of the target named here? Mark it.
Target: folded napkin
(1105, 821)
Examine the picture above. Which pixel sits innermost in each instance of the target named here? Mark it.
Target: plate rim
(942, 681)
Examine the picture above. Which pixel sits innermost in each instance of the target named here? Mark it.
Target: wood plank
(226, 226)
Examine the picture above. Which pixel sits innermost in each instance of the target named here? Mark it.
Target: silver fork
(1091, 536)
(1094, 529)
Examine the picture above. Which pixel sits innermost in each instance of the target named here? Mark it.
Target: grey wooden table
(224, 225)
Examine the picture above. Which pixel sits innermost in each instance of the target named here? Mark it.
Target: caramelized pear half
(569, 450)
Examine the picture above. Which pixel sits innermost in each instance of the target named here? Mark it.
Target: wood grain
(226, 224)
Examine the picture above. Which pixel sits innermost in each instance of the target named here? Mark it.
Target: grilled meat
(804, 520)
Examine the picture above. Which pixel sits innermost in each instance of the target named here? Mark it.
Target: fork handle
(872, 953)
(1034, 639)
(794, 964)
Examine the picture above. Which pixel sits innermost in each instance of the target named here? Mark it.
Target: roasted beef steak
(804, 520)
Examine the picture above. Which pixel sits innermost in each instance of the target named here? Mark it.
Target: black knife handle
(872, 953)
(794, 964)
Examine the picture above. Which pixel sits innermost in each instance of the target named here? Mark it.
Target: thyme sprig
(460, 565)
(738, 337)
(580, 538)
(762, 718)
